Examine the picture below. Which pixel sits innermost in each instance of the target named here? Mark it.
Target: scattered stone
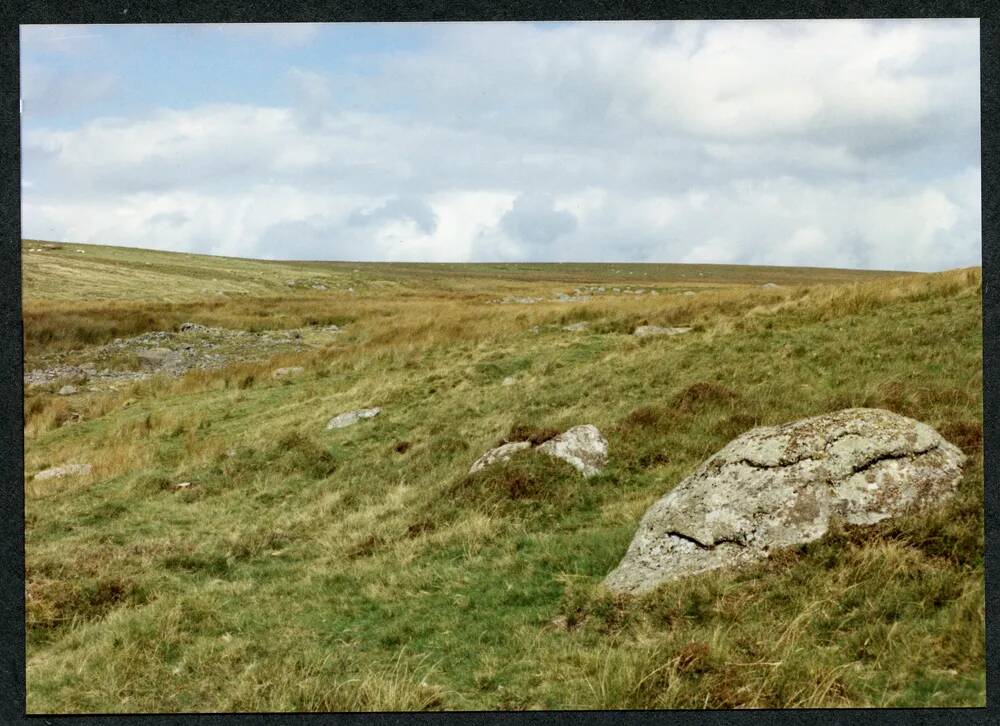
(289, 371)
(575, 327)
(58, 472)
(508, 381)
(192, 328)
(583, 447)
(182, 485)
(688, 293)
(769, 284)
(500, 453)
(644, 331)
(155, 358)
(292, 283)
(778, 486)
(68, 390)
(319, 287)
(352, 417)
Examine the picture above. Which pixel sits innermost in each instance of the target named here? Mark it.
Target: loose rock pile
(194, 347)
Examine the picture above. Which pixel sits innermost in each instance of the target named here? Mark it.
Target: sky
(831, 143)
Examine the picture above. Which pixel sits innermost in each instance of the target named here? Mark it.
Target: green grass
(363, 568)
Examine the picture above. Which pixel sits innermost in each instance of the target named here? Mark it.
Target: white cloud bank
(828, 143)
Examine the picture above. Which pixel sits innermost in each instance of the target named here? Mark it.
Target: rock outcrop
(779, 486)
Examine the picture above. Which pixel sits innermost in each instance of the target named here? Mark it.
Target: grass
(365, 569)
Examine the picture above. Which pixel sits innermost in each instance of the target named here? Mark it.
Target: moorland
(225, 551)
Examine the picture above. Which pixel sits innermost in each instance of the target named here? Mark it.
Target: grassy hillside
(307, 569)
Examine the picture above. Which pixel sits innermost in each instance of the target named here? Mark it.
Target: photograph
(492, 366)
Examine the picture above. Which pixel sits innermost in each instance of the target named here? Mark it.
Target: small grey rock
(500, 453)
(644, 331)
(352, 417)
(583, 447)
(289, 371)
(58, 472)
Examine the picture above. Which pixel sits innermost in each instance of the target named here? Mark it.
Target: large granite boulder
(778, 486)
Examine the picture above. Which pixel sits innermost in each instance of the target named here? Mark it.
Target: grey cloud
(398, 208)
(169, 219)
(315, 238)
(534, 219)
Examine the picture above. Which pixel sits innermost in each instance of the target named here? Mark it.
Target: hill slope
(307, 569)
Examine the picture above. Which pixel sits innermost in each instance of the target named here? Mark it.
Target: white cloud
(841, 143)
